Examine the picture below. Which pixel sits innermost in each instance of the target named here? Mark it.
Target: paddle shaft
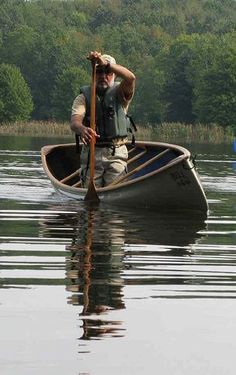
(91, 195)
(92, 121)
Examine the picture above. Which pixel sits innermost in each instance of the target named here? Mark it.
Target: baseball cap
(109, 58)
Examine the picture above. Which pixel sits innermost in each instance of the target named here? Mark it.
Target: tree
(18, 48)
(213, 72)
(147, 105)
(178, 89)
(216, 94)
(66, 88)
(15, 98)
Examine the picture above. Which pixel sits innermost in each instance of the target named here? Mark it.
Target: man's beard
(101, 88)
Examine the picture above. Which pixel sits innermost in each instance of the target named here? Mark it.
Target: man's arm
(127, 84)
(76, 123)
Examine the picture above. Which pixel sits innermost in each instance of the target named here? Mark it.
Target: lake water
(113, 291)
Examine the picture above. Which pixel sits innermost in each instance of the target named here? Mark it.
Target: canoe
(160, 176)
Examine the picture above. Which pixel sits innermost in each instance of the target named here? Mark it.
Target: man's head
(109, 59)
(105, 78)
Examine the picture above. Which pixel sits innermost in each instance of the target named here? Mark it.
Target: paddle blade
(91, 195)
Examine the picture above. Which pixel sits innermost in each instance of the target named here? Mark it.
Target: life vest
(111, 120)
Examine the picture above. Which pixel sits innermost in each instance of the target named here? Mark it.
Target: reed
(166, 132)
(36, 129)
(188, 133)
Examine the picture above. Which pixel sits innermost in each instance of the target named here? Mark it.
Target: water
(114, 291)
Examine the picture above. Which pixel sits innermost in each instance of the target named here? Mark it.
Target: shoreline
(166, 132)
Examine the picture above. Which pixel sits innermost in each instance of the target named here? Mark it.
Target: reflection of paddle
(91, 195)
(88, 262)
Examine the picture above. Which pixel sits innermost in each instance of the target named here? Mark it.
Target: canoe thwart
(136, 157)
(131, 150)
(77, 184)
(74, 174)
(140, 167)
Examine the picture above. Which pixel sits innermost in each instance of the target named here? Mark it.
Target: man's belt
(113, 143)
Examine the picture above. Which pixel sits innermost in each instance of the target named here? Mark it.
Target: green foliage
(177, 91)
(214, 99)
(216, 94)
(176, 48)
(18, 49)
(147, 104)
(66, 88)
(15, 98)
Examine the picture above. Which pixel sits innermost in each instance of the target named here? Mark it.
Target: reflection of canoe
(116, 226)
(160, 175)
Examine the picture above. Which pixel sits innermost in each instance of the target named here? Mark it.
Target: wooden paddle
(91, 195)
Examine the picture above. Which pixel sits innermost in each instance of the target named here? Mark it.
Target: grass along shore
(166, 132)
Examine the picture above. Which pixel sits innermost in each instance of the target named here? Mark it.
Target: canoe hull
(175, 186)
(176, 189)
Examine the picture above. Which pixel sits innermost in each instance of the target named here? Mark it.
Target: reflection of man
(93, 273)
(112, 123)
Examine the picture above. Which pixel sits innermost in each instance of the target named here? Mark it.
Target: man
(112, 102)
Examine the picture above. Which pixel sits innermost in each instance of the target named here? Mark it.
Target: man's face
(104, 79)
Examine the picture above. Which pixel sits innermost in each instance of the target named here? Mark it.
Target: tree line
(183, 53)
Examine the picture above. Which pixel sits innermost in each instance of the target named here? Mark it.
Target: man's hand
(86, 134)
(96, 57)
